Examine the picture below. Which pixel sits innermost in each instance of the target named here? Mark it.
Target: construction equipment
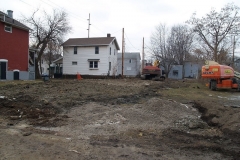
(152, 71)
(221, 76)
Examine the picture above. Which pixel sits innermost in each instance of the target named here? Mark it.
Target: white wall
(113, 59)
(82, 56)
(44, 66)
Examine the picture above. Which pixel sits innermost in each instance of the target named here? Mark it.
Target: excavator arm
(156, 63)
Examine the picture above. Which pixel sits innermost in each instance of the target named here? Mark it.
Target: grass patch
(195, 91)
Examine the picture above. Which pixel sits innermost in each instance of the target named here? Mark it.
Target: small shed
(176, 72)
(192, 69)
(131, 64)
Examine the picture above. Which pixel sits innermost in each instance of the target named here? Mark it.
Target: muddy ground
(118, 119)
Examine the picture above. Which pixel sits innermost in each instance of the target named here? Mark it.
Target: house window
(75, 50)
(163, 72)
(8, 28)
(74, 63)
(109, 66)
(175, 72)
(93, 64)
(110, 50)
(96, 50)
(130, 60)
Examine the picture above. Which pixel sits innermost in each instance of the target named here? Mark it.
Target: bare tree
(50, 28)
(213, 29)
(159, 48)
(180, 42)
(51, 53)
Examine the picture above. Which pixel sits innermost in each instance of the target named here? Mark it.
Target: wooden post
(122, 51)
(233, 51)
(88, 25)
(143, 55)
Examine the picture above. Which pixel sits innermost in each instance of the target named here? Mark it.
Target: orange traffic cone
(78, 76)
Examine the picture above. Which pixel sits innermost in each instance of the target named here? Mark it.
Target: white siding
(82, 56)
(45, 67)
(113, 59)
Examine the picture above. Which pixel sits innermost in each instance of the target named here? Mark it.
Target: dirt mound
(117, 119)
(224, 117)
(24, 108)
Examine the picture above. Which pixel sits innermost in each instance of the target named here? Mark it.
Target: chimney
(10, 13)
(108, 35)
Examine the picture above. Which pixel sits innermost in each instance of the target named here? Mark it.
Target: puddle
(233, 98)
(221, 97)
(21, 126)
(49, 128)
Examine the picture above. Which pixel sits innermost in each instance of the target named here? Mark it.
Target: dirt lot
(118, 119)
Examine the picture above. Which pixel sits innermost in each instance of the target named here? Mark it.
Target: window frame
(110, 66)
(8, 26)
(175, 72)
(110, 50)
(93, 64)
(74, 63)
(96, 49)
(75, 49)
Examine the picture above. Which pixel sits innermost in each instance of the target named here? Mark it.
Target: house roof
(59, 60)
(129, 55)
(237, 60)
(6, 19)
(96, 41)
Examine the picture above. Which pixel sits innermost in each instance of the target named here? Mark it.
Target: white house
(90, 56)
(44, 67)
(44, 63)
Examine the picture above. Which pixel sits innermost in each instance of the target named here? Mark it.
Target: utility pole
(143, 55)
(122, 50)
(88, 25)
(234, 43)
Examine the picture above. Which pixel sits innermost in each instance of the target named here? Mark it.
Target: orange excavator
(152, 71)
(221, 76)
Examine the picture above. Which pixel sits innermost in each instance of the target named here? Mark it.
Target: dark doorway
(3, 69)
(16, 75)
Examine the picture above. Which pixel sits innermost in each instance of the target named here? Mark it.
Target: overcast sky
(138, 17)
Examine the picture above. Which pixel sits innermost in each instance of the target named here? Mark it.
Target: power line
(26, 3)
(77, 16)
(98, 29)
(71, 14)
(131, 43)
(78, 26)
(117, 31)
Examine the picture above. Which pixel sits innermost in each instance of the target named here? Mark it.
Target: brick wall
(14, 48)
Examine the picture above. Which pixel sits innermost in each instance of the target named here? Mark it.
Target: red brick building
(14, 47)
